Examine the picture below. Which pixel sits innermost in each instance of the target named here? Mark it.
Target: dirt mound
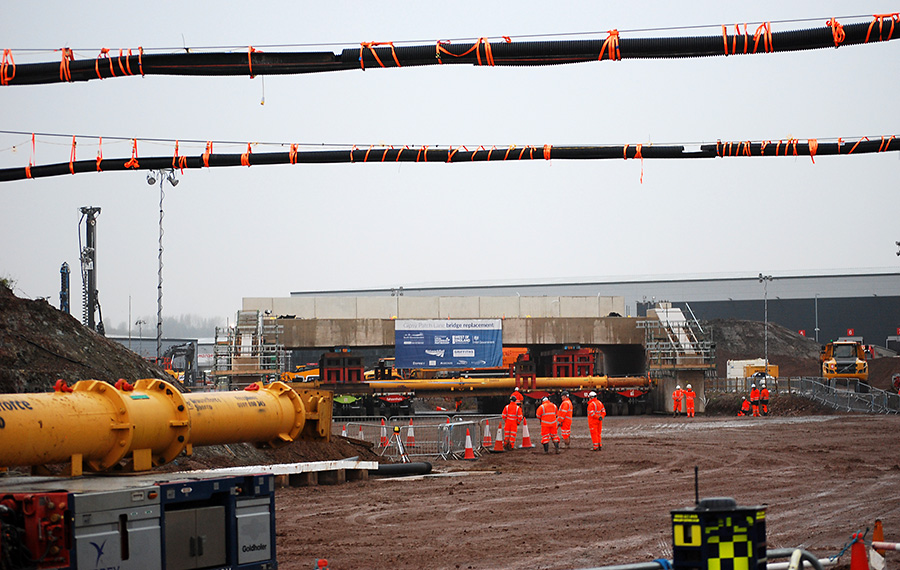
(795, 355)
(728, 404)
(40, 344)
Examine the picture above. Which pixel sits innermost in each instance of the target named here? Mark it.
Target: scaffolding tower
(248, 351)
(675, 344)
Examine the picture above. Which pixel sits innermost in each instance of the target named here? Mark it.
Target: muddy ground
(822, 477)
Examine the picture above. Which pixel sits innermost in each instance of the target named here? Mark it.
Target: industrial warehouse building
(824, 306)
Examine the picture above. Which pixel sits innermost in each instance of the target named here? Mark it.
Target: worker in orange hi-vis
(520, 399)
(754, 400)
(512, 419)
(689, 396)
(745, 407)
(676, 400)
(546, 412)
(596, 411)
(564, 417)
(764, 399)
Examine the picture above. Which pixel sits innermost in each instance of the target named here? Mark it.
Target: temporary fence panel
(874, 402)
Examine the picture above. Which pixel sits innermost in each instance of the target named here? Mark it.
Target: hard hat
(678, 386)
(565, 394)
(688, 386)
(743, 397)
(592, 394)
(753, 385)
(545, 399)
(512, 398)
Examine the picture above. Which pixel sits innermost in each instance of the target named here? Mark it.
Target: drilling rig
(90, 304)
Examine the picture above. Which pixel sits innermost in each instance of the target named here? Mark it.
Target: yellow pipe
(96, 425)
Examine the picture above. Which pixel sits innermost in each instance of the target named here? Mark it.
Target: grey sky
(269, 230)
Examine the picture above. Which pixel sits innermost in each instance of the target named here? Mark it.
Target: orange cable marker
(425, 152)
(67, 56)
(638, 154)
(5, 77)
(178, 161)
(522, 152)
(857, 144)
(840, 143)
(491, 151)
(746, 39)
(250, 51)
(209, 148)
(133, 163)
(127, 61)
(72, 157)
(505, 156)
(507, 39)
(100, 155)
(895, 17)
(366, 158)
(451, 152)
(718, 148)
(140, 59)
(885, 143)
(725, 38)
(399, 152)
(813, 147)
(292, 154)
(245, 158)
(119, 61)
(488, 53)
(612, 46)
(351, 152)
(837, 31)
(384, 154)
(547, 148)
(765, 31)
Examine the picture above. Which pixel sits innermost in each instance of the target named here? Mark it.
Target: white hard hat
(688, 386)
(545, 399)
(592, 394)
(678, 387)
(753, 385)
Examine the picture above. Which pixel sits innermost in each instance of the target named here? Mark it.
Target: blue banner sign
(448, 343)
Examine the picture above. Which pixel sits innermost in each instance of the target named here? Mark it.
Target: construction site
(500, 422)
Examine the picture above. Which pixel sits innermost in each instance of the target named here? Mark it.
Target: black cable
(486, 53)
(792, 147)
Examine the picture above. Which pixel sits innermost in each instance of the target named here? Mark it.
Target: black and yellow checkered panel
(719, 540)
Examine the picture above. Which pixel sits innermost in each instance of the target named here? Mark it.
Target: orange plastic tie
(450, 152)
(119, 61)
(625, 152)
(547, 148)
(61, 386)
(209, 149)
(837, 31)
(366, 158)
(133, 163)
(64, 73)
(747, 148)
(72, 157)
(352, 148)
(840, 143)
(507, 39)
(140, 59)
(245, 158)
(611, 46)
(488, 53)
(104, 54)
(885, 144)
(399, 152)
(250, 51)
(127, 61)
(725, 38)
(490, 152)
(746, 38)
(764, 31)
(857, 144)
(371, 46)
(637, 154)
(5, 76)
(505, 156)
(895, 17)
(384, 154)
(100, 155)
(762, 147)
(777, 146)
(178, 161)
(813, 147)
(292, 154)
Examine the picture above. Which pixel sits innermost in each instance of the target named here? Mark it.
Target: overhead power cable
(460, 154)
(484, 51)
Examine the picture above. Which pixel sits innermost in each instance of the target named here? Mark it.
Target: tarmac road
(822, 478)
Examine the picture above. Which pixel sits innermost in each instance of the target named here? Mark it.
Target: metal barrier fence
(875, 401)
(420, 436)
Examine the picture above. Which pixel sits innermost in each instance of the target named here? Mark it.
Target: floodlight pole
(764, 279)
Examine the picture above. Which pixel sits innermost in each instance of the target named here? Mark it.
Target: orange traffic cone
(486, 441)
(344, 431)
(878, 535)
(858, 558)
(470, 453)
(384, 438)
(526, 437)
(498, 441)
(410, 435)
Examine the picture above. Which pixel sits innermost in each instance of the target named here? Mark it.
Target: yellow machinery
(97, 426)
(844, 360)
(505, 385)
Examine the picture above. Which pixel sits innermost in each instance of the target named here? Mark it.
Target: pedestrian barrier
(433, 437)
(874, 401)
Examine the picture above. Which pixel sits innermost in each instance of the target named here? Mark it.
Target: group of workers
(758, 403)
(687, 396)
(556, 422)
